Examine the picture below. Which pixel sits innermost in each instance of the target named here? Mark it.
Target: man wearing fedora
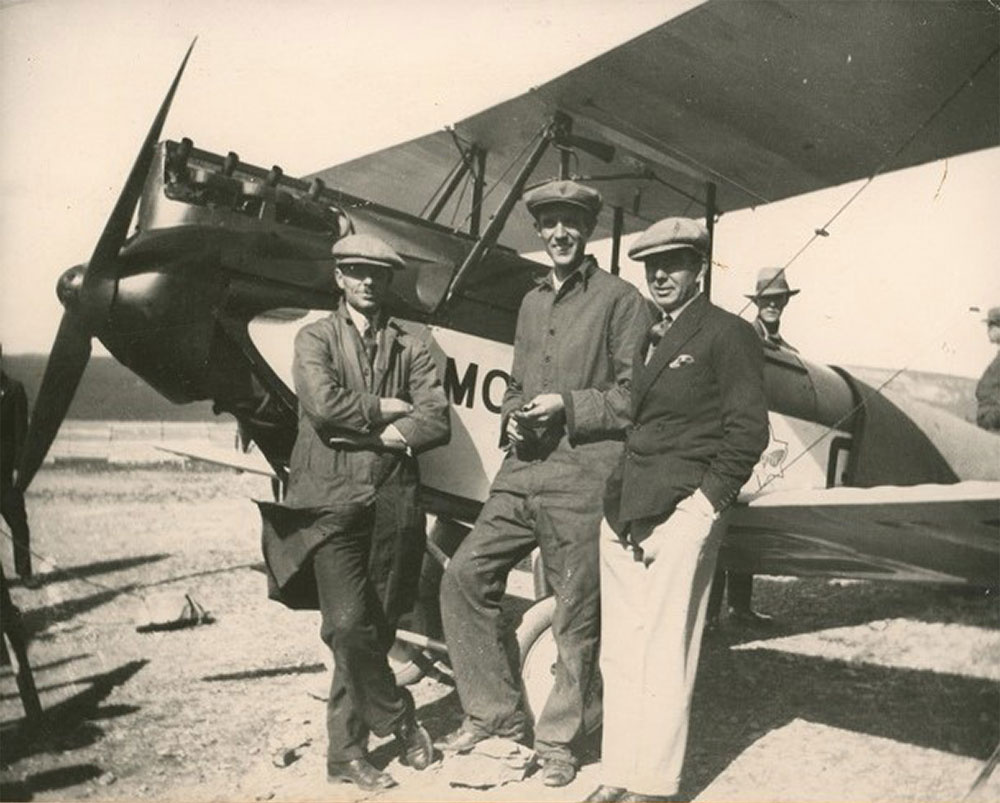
(988, 388)
(771, 297)
(562, 420)
(700, 426)
(349, 539)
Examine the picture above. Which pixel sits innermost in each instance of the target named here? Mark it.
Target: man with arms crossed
(350, 538)
(700, 425)
(562, 417)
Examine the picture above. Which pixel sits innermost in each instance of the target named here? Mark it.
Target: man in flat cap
(350, 537)
(988, 388)
(771, 297)
(562, 420)
(700, 426)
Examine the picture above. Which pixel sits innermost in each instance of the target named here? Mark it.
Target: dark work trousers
(12, 501)
(363, 694)
(738, 587)
(565, 525)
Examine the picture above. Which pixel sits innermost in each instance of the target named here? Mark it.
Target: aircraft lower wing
(251, 462)
(765, 99)
(929, 533)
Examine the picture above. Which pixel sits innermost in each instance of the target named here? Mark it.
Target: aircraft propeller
(87, 292)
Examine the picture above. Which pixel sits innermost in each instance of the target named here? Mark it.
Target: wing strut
(549, 132)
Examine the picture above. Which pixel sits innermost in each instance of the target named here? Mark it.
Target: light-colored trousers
(652, 619)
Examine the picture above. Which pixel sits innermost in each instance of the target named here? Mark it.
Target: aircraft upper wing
(765, 98)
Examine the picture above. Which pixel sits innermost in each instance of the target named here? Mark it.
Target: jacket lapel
(383, 356)
(673, 341)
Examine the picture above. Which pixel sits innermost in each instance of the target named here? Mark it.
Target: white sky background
(308, 84)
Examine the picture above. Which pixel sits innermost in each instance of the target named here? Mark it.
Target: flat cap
(670, 234)
(772, 282)
(563, 192)
(364, 249)
(993, 316)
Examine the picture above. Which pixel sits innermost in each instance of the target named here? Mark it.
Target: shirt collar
(677, 312)
(358, 319)
(585, 270)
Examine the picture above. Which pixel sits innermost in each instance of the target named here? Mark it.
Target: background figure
(350, 537)
(13, 428)
(988, 389)
(771, 298)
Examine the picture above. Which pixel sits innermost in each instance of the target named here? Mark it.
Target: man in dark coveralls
(562, 420)
(13, 428)
(700, 426)
(350, 537)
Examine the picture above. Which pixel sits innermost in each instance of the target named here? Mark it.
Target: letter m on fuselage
(460, 391)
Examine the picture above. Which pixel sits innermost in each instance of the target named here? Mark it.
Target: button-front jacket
(335, 486)
(578, 341)
(700, 417)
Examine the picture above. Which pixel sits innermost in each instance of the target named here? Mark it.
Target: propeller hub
(68, 287)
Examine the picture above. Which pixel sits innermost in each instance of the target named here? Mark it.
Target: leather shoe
(460, 741)
(606, 794)
(416, 747)
(360, 773)
(557, 772)
(750, 617)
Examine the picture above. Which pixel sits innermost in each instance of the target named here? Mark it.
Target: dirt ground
(869, 691)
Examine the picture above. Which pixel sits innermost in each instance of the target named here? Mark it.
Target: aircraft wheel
(537, 648)
(403, 663)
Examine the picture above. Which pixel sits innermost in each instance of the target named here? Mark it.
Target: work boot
(359, 772)
(460, 740)
(415, 746)
(557, 772)
(750, 617)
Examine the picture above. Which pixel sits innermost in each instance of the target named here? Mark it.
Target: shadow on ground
(70, 724)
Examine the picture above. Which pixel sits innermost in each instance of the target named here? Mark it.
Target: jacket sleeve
(429, 424)
(513, 398)
(591, 411)
(329, 405)
(738, 363)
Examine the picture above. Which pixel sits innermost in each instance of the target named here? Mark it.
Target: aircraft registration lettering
(463, 391)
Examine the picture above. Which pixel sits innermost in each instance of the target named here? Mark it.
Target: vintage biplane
(723, 107)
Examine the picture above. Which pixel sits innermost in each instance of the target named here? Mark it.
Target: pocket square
(682, 360)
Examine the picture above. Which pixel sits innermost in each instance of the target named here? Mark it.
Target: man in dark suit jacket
(700, 425)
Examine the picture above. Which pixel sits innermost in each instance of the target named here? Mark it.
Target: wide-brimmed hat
(772, 282)
(563, 191)
(364, 249)
(670, 234)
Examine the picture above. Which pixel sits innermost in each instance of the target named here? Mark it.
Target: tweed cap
(670, 234)
(993, 316)
(772, 282)
(563, 191)
(364, 249)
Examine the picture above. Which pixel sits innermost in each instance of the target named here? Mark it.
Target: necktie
(659, 329)
(656, 333)
(370, 343)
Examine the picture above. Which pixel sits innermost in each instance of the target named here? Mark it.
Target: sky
(310, 84)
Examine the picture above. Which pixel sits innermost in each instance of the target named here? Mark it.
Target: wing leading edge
(929, 533)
